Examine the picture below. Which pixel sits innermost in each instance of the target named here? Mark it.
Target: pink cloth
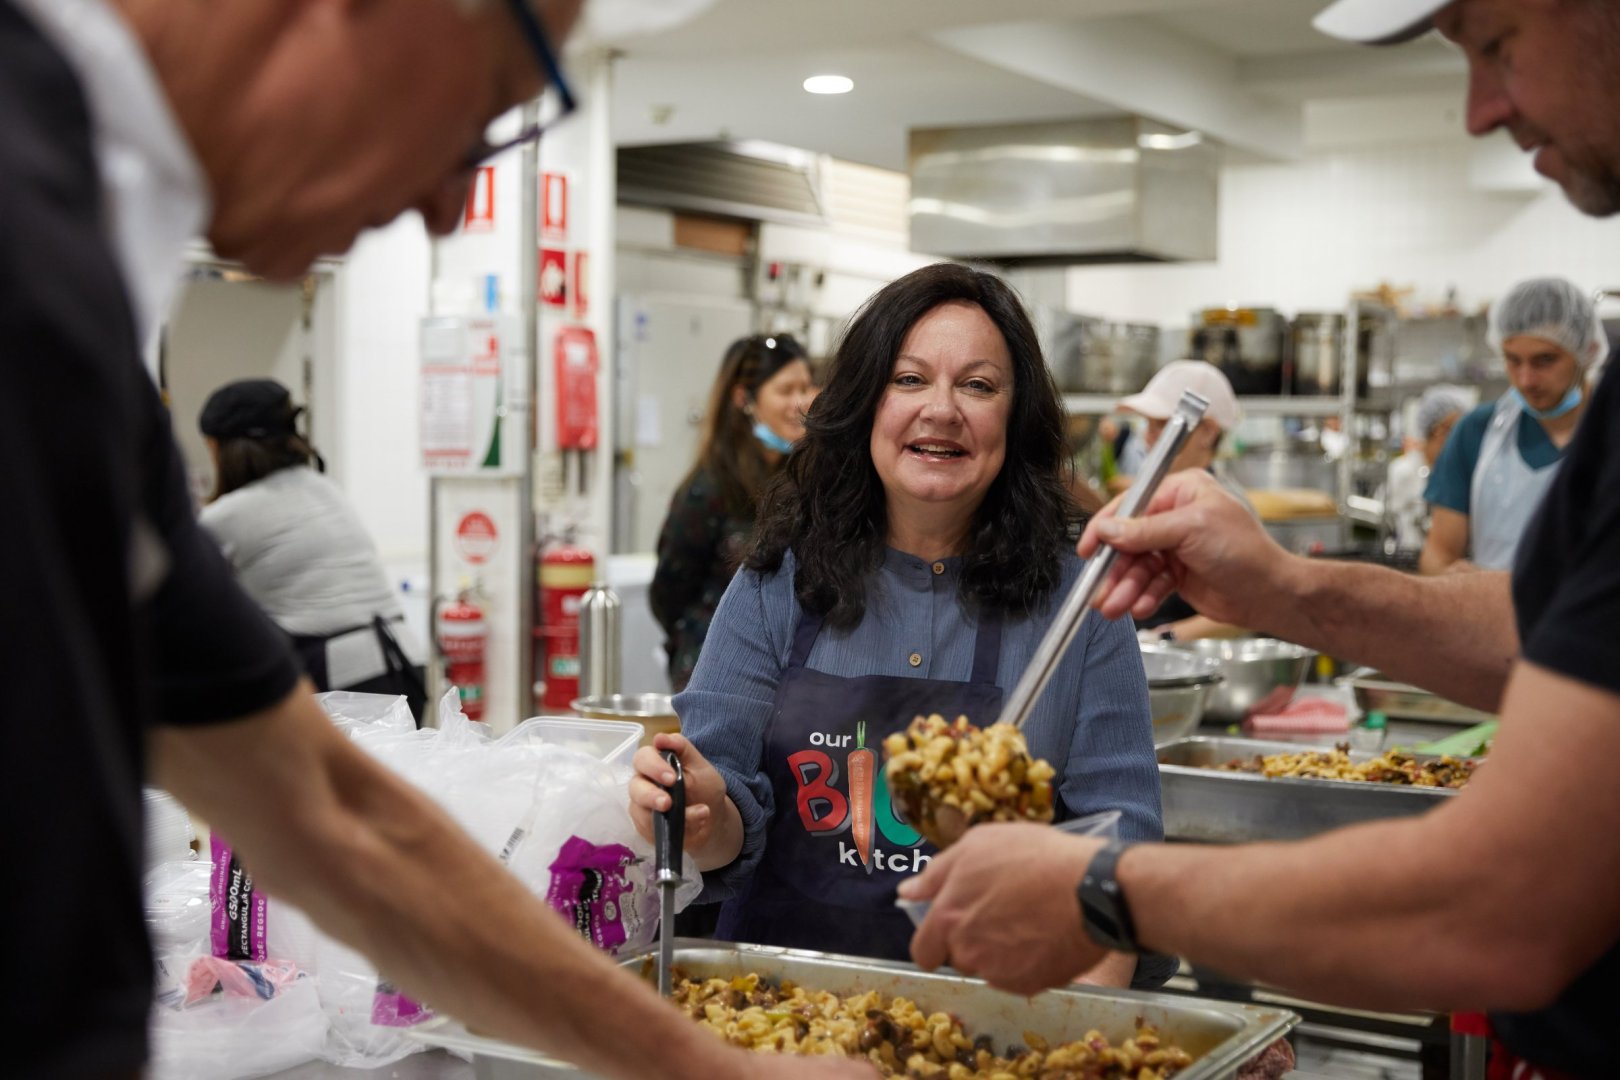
(1305, 716)
(211, 975)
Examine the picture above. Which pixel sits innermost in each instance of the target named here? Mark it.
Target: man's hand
(1004, 907)
(1196, 539)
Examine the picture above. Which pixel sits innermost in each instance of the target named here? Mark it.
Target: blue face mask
(773, 441)
(1571, 399)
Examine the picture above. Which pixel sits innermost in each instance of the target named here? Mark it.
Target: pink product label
(390, 1008)
(590, 885)
(238, 928)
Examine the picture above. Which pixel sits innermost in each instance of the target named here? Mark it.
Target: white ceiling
(1240, 69)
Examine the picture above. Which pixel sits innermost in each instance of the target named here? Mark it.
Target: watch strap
(1104, 912)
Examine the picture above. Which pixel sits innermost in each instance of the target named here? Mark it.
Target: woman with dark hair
(298, 547)
(907, 560)
(755, 415)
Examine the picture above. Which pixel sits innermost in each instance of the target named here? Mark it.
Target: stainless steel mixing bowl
(1261, 674)
(1179, 686)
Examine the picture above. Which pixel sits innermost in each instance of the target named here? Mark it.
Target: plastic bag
(228, 1038)
(177, 906)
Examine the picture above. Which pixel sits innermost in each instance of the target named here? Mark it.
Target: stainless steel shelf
(1103, 404)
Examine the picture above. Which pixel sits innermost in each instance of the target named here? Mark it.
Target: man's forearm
(381, 867)
(1371, 917)
(1453, 635)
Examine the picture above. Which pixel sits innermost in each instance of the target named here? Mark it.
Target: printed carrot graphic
(862, 764)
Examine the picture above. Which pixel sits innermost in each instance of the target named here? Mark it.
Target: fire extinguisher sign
(476, 537)
(554, 207)
(479, 216)
(551, 281)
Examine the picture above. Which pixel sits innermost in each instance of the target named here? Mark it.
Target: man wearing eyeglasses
(280, 130)
(1507, 897)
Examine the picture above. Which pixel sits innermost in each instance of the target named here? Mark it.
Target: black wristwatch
(1103, 910)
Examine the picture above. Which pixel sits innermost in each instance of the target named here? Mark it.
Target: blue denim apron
(819, 885)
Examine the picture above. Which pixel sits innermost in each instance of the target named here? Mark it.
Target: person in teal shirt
(1502, 457)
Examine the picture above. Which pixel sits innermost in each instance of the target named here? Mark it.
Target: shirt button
(939, 568)
(915, 659)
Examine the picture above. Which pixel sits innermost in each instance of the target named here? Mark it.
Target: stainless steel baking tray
(1201, 803)
(1403, 701)
(1220, 1035)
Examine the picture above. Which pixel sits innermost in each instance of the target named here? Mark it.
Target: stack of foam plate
(168, 829)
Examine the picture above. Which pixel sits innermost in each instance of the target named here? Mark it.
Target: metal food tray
(1402, 701)
(1215, 806)
(1220, 1035)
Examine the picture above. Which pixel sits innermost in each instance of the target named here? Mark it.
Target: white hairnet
(1437, 403)
(1554, 310)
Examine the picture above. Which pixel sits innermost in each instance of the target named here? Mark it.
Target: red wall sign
(480, 213)
(476, 537)
(554, 206)
(551, 282)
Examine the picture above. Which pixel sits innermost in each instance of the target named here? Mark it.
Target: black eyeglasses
(546, 60)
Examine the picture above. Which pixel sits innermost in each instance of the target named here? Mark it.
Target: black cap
(250, 409)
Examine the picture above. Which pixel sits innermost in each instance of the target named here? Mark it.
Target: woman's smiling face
(940, 434)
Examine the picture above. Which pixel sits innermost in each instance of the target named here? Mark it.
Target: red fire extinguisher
(463, 635)
(566, 572)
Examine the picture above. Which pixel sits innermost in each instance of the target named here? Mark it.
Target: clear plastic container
(612, 741)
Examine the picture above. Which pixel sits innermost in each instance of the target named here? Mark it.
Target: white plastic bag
(233, 1038)
(558, 817)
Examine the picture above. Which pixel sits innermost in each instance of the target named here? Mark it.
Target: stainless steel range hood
(1123, 189)
(744, 178)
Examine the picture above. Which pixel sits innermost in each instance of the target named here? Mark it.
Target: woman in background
(755, 415)
(299, 548)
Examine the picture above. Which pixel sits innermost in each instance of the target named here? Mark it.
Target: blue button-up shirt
(1092, 723)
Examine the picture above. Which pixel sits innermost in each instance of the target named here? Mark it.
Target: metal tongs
(1077, 605)
(669, 839)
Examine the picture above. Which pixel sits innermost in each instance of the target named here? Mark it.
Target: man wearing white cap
(1157, 402)
(1175, 619)
(1507, 897)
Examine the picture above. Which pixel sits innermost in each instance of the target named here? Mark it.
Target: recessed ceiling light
(829, 84)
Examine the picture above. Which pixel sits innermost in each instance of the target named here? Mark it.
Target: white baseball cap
(1159, 397)
(1378, 22)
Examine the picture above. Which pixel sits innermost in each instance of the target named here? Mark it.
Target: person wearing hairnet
(1503, 456)
(1438, 411)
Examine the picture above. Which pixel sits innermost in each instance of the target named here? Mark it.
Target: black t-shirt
(1566, 593)
(116, 611)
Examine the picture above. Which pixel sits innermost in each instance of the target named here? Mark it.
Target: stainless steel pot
(1318, 339)
(1247, 344)
(654, 712)
(1261, 674)
(1179, 686)
(1090, 356)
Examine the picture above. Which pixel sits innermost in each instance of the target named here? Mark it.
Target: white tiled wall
(1302, 236)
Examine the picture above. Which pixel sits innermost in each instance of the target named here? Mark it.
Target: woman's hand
(713, 827)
